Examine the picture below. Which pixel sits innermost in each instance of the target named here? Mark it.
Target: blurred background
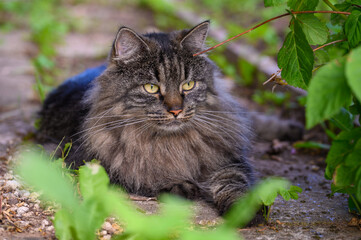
(43, 42)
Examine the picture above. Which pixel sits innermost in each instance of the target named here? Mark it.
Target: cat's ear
(128, 45)
(195, 39)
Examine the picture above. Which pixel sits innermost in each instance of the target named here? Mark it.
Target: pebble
(28, 214)
(315, 168)
(22, 210)
(107, 237)
(107, 226)
(45, 222)
(50, 228)
(23, 223)
(8, 176)
(24, 193)
(12, 185)
(34, 197)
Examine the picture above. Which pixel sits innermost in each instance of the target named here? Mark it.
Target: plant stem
(333, 7)
(328, 44)
(267, 21)
(355, 202)
(314, 50)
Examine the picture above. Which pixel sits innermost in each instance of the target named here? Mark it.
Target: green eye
(188, 86)
(151, 88)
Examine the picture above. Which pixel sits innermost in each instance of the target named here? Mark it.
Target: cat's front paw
(186, 189)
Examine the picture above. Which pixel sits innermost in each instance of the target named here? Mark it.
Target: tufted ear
(195, 39)
(128, 45)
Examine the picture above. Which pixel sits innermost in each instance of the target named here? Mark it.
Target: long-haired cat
(156, 118)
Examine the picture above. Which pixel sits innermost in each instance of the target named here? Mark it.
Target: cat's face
(156, 80)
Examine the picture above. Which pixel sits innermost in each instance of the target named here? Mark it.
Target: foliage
(82, 213)
(278, 98)
(47, 23)
(334, 90)
(311, 144)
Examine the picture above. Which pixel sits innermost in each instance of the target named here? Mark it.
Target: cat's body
(157, 118)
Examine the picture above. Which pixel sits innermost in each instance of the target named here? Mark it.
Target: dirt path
(313, 216)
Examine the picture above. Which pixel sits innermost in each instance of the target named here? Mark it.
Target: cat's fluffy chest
(151, 161)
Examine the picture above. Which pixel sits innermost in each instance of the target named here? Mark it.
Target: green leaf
(328, 92)
(310, 144)
(93, 180)
(344, 176)
(294, 190)
(337, 19)
(358, 185)
(285, 194)
(292, 193)
(321, 57)
(38, 171)
(315, 31)
(246, 207)
(300, 5)
(353, 159)
(272, 3)
(63, 224)
(90, 217)
(353, 28)
(353, 206)
(355, 109)
(353, 72)
(358, 2)
(296, 58)
(341, 147)
(343, 120)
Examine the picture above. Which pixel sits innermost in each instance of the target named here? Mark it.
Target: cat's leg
(228, 184)
(188, 189)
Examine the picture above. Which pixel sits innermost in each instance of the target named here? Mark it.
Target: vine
(333, 85)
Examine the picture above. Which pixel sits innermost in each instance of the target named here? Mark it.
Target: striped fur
(201, 153)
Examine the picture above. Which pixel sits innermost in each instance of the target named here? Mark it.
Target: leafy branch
(282, 82)
(265, 22)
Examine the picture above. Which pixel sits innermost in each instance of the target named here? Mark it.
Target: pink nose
(175, 112)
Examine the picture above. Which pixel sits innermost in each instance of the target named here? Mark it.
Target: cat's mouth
(171, 124)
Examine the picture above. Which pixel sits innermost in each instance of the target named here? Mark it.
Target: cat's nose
(176, 112)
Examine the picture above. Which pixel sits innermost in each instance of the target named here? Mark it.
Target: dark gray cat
(157, 118)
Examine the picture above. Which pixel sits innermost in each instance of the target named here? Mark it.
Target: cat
(157, 118)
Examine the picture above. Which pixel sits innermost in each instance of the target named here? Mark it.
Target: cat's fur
(138, 137)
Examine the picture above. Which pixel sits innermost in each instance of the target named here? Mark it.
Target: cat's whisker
(202, 124)
(222, 120)
(125, 125)
(231, 124)
(135, 130)
(110, 116)
(91, 134)
(99, 125)
(118, 123)
(228, 129)
(105, 112)
(143, 129)
(224, 112)
(217, 124)
(231, 120)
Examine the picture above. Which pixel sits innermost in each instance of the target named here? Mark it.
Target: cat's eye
(188, 86)
(151, 88)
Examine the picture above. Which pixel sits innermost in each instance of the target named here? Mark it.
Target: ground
(315, 215)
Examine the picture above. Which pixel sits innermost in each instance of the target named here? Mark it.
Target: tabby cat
(157, 118)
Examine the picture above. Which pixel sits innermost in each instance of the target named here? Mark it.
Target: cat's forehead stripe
(161, 71)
